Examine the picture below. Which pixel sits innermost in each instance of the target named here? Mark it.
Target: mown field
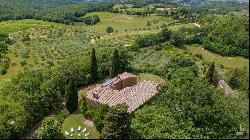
(150, 77)
(230, 62)
(123, 22)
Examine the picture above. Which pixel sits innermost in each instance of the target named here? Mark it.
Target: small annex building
(122, 89)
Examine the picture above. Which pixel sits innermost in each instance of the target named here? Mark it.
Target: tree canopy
(116, 123)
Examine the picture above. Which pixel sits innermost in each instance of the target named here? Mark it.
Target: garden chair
(79, 128)
(86, 134)
(66, 133)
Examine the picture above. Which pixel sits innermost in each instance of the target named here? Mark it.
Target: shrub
(50, 63)
(23, 62)
(83, 106)
(198, 55)
(49, 129)
(3, 47)
(90, 113)
(109, 29)
(99, 117)
(13, 63)
(3, 71)
(148, 23)
(24, 53)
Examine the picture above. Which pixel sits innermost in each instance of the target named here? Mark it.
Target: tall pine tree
(71, 96)
(94, 67)
(115, 64)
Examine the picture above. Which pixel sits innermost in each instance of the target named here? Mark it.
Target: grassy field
(130, 7)
(149, 77)
(122, 22)
(177, 26)
(19, 25)
(230, 62)
(76, 120)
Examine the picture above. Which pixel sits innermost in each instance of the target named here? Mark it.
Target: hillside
(124, 69)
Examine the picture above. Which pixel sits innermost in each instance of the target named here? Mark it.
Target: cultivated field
(18, 25)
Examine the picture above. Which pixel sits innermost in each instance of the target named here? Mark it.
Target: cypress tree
(71, 96)
(210, 74)
(215, 78)
(94, 66)
(234, 79)
(115, 64)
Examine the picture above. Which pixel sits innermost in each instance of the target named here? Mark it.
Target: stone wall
(118, 85)
(92, 103)
(128, 82)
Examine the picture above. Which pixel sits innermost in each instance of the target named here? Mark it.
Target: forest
(53, 51)
(65, 11)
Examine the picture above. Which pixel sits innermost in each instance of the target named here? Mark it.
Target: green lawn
(75, 120)
(230, 62)
(19, 25)
(122, 22)
(150, 77)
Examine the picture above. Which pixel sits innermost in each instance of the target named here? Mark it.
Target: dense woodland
(62, 12)
(60, 58)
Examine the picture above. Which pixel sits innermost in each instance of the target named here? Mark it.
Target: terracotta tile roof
(134, 96)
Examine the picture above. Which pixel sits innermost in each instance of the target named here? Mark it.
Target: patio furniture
(79, 128)
(86, 134)
(66, 133)
(72, 130)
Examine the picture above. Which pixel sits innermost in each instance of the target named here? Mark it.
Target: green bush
(198, 55)
(49, 129)
(3, 71)
(83, 106)
(3, 47)
(109, 29)
(23, 62)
